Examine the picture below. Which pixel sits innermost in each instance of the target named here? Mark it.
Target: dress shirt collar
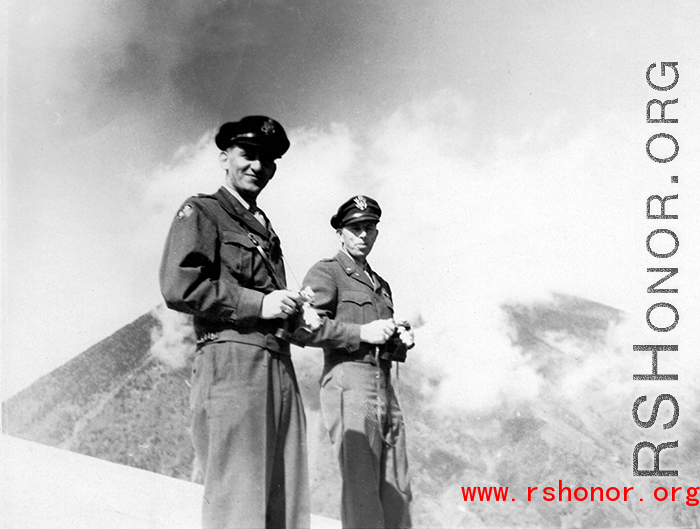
(364, 267)
(360, 265)
(235, 193)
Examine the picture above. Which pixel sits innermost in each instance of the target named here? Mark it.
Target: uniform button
(376, 375)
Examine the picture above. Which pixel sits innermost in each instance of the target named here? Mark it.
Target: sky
(505, 141)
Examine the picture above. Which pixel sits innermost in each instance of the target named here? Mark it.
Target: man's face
(358, 238)
(248, 169)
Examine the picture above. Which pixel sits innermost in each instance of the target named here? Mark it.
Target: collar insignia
(360, 202)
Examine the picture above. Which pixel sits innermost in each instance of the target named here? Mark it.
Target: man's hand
(280, 304)
(377, 332)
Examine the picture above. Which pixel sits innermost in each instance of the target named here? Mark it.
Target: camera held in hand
(303, 321)
(396, 347)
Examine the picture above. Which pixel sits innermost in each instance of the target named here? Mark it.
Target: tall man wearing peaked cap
(223, 265)
(359, 339)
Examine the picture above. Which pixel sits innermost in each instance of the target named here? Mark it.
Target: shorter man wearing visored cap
(360, 339)
(223, 265)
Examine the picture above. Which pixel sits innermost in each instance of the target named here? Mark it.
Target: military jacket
(213, 269)
(345, 298)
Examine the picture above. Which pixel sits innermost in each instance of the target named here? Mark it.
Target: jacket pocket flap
(355, 296)
(237, 238)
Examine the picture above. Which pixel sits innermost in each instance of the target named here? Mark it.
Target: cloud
(172, 341)
(77, 67)
(461, 235)
(495, 192)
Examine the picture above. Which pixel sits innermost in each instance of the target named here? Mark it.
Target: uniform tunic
(358, 402)
(248, 425)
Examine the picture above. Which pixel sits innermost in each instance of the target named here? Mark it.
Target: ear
(223, 160)
(339, 233)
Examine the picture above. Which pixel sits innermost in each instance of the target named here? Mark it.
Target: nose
(256, 165)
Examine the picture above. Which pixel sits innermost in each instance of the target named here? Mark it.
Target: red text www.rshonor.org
(562, 493)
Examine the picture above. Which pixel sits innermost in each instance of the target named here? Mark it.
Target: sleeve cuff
(249, 305)
(353, 336)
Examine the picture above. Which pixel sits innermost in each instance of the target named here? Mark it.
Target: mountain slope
(126, 400)
(50, 409)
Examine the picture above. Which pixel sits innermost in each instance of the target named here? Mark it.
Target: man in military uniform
(358, 402)
(223, 264)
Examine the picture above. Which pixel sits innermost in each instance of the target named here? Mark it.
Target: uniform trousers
(249, 437)
(364, 420)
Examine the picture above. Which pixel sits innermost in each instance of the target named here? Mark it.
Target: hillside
(61, 402)
(126, 400)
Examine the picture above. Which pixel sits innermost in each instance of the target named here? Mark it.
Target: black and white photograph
(350, 264)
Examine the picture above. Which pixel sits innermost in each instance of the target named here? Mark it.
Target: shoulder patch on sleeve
(185, 211)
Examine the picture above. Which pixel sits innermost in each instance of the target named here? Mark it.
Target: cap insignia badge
(360, 202)
(185, 212)
(268, 127)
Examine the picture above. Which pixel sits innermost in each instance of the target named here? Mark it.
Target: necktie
(368, 271)
(258, 214)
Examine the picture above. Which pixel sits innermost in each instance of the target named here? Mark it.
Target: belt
(366, 354)
(266, 340)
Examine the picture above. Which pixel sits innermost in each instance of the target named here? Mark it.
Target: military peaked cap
(356, 209)
(258, 131)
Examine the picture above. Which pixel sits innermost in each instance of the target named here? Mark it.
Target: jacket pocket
(355, 306)
(237, 254)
